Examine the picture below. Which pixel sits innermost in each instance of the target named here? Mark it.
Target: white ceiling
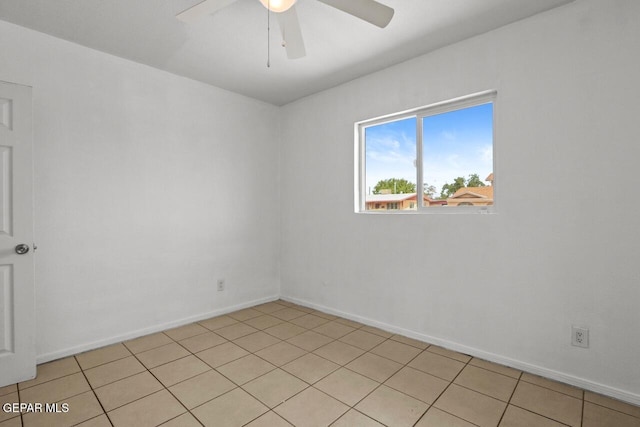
(229, 49)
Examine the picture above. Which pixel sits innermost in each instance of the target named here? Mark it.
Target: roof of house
(390, 197)
(474, 192)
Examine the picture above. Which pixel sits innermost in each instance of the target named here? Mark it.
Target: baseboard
(585, 384)
(42, 358)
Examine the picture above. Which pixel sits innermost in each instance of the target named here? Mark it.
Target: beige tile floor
(279, 364)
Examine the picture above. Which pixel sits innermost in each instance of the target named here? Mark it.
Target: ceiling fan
(370, 11)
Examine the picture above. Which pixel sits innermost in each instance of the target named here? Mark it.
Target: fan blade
(291, 33)
(206, 7)
(368, 10)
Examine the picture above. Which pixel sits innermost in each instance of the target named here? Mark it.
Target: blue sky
(456, 143)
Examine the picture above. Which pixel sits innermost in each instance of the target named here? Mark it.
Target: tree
(449, 190)
(396, 185)
(474, 181)
(429, 190)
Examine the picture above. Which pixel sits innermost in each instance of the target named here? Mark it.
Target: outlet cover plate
(579, 336)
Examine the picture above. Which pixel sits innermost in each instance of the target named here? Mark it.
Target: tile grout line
(229, 379)
(322, 378)
(130, 376)
(237, 386)
(280, 367)
(94, 393)
(510, 397)
(520, 380)
(163, 386)
(59, 378)
(611, 409)
(369, 351)
(556, 391)
(145, 350)
(19, 400)
(582, 410)
(178, 416)
(380, 384)
(446, 388)
(48, 381)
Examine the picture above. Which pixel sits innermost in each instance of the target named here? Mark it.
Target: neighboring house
(465, 196)
(383, 202)
(472, 196)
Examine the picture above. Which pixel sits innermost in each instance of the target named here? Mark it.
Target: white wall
(563, 248)
(148, 187)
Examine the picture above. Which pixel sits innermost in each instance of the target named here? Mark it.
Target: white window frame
(420, 113)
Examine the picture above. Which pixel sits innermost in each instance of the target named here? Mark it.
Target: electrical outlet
(579, 336)
(220, 285)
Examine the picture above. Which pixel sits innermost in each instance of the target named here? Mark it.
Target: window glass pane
(390, 173)
(458, 157)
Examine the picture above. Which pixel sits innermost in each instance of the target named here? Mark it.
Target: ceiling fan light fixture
(278, 5)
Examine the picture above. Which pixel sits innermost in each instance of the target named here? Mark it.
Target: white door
(17, 316)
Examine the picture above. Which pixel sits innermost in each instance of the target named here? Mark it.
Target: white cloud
(453, 160)
(486, 154)
(448, 135)
(389, 157)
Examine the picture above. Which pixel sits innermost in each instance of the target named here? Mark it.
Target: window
(453, 141)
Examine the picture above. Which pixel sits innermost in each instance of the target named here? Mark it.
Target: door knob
(22, 249)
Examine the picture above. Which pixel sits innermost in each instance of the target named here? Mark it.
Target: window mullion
(419, 171)
(360, 156)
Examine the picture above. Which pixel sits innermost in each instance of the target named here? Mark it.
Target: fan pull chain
(268, 33)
